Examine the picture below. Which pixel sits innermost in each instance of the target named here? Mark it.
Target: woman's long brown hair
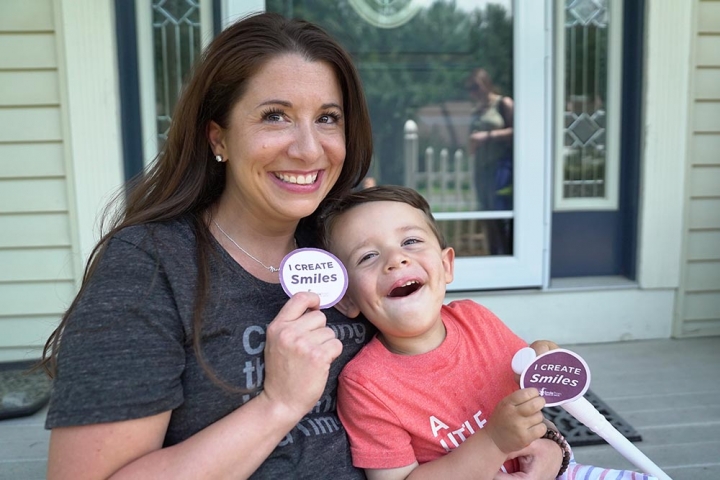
(185, 180)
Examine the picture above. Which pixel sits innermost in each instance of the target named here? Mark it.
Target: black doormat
(22, 392)
(578, 435)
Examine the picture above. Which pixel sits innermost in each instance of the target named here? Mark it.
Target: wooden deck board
(668, 390)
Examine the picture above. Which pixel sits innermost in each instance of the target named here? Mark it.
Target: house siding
(37, 270)
(699, 295)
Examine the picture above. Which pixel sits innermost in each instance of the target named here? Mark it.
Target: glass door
(458, 96)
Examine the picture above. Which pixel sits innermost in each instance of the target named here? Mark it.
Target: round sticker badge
(560, 375)
(314, 270)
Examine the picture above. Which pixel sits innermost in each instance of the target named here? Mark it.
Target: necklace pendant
(273, 269)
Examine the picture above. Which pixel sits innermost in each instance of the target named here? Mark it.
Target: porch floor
(668, 390)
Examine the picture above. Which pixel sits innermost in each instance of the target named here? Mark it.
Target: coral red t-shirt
(401, 408)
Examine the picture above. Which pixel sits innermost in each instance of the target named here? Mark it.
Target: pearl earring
(219, 158)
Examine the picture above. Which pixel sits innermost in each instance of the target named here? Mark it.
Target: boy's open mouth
(405, 290)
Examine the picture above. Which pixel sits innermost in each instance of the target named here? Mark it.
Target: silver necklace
(267, 267)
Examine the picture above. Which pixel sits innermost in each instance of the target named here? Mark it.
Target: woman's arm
(232, 447)
(298, 354)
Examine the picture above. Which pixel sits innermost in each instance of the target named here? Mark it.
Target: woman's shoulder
(178, 231)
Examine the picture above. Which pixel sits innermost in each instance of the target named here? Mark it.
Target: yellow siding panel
(709, 17)
(704, 245)
(707, 83)
(26, 15)
(34, 230)
(705, 181)
(20, 51)
(706, 117)
(39, 298)
(704, 213)
(31, 160)
(706, 149)
(703, 276)
(707, 51)
(33, 195)
(30, 124)
(701, 328)
(701, 306)
(27, 331)
(36, 264)
(36, 87)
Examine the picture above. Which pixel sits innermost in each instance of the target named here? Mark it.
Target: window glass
(176, 40)
(589, 50)
(436, 73)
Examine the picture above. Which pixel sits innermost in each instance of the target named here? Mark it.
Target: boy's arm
(516, 422)
(477, 458)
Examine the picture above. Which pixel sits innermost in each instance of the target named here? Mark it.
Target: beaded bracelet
(560, 440)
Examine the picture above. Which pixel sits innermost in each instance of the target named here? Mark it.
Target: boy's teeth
(298, 179)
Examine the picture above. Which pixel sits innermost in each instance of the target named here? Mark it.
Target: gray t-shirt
(127, 349)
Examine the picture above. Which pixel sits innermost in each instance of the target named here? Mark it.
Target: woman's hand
(477, 139)
(541, 460)
(299, 349)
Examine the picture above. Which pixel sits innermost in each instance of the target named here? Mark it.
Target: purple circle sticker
(314, 270)
(560, 375)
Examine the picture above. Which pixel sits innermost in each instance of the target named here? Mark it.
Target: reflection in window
(176, 38)
(415, 64)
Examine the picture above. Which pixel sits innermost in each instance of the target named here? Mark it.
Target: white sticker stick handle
(595, 421)
(584, 411)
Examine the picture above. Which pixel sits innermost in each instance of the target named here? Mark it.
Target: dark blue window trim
(129, 85)
(587, 243)
(631, 141)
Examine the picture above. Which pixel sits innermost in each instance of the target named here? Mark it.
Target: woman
(181, 356)
(491, 144)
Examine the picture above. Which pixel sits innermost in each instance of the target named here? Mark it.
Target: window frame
(612, 119)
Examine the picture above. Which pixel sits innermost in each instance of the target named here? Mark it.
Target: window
(415, 59)
(171, 34)
(588, 79)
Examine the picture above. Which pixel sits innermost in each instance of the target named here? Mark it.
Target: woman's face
(285, 140)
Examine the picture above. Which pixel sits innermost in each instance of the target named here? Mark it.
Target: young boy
(436, 378)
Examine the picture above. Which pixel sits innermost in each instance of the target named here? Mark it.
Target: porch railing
(443, 177)
(446, 180)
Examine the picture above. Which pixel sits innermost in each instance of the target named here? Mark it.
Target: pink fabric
(578, 471)
(399, 408)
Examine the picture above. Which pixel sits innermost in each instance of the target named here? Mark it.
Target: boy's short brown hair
(381, 193)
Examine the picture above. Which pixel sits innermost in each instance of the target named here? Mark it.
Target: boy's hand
(517, 420)
(540, 347)
(543, 346)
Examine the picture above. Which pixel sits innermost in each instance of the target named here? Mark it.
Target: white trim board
(86, 29)
(665, 120)
(583, 316)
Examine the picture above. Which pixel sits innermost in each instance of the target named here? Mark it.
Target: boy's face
(397, 270)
